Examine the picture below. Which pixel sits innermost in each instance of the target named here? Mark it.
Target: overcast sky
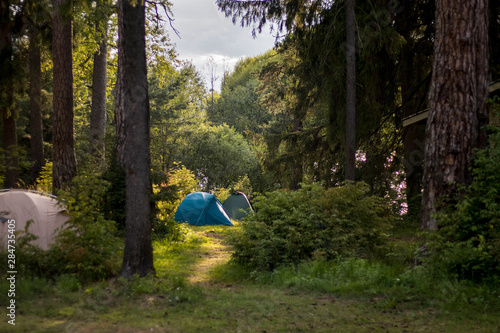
(205, 32)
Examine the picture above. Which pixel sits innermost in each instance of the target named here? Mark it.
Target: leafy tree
(218, 155)
(238, 104)
(393, 40)
(287, 136)
(181, 132)
(177, 102)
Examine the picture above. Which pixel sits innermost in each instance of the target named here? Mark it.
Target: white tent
(21, 205)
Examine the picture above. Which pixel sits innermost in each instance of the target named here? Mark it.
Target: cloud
(206, 33)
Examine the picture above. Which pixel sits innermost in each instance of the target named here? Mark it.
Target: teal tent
(237, 206)
(201, 208)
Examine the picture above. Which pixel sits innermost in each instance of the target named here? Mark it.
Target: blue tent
(201, 208)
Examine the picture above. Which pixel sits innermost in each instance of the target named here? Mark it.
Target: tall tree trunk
(457, 112)
(98, 110)
(138, 254)
(64, 160)
(6, 102)
(119, 99)
(296, 171)
(11, 162)
(36, 126)
(350, 168)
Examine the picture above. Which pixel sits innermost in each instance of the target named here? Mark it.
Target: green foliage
(242, 185)
(312, 223)
(238, 105)
(44, 182)
(27, 255)
(211, 147)
(114, 202)
(390, 285)
(176, 101)
(349, 276)
(467, 244)
(167, 197)
(87, 247)
(68, 283)
(222, 193)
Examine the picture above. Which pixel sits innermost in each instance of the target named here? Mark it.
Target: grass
(197, 289)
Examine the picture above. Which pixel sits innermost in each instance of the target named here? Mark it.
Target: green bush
(467, 244)
(114, 200)
(167, 196)
(44, 181)
(312, 223)
(27, 255)
(87, 247)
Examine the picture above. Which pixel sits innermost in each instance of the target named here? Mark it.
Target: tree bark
(36, 126)
(64, 160)
(296, 170)
(350, 168)
(457, 112)
(98, 110)
(138, 254)
(119, 107)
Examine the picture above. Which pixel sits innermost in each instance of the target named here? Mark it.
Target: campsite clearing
(198, 290)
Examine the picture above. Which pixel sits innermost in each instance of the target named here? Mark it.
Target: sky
(206, 33)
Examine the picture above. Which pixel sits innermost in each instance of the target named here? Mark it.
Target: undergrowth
(313, 223)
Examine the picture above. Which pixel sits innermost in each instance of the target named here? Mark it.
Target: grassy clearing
(198, 290)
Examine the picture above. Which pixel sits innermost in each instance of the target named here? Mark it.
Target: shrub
(312, 223)
(114, 200)
(87, 247)
(467, 244)
(167, 196)
(44, 181)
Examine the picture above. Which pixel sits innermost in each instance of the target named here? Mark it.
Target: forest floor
(195, 291)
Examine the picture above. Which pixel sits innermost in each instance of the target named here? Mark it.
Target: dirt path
(216, 253)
